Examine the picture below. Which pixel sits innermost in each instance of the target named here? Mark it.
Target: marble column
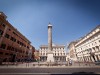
(50, 57)
(50, 37)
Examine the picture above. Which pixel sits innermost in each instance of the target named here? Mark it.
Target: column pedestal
(50, 57)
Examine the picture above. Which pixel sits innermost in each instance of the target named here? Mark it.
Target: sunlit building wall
(59, 52)
(88, 47)
(13, 45)
(71, 51)
(36, 54)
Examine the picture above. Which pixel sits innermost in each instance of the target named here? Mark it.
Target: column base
(50, 57)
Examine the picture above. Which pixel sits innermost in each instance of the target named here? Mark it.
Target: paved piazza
(50, 70)
(30, 69)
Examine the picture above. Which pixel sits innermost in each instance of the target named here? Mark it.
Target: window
(9, 29)
(3, 46)
(3, 25)
(11, 54)
(58, 54)
(12, 48)
(18, 42)
(13, 39)
(43, 53)
(9, 48)
(7, 54)
(27, 52)
(1, 32)
(16, 50)
(7, 35)
(14, 33)
(95, 42)
(24, 45)
(1, 52)
(27, 47)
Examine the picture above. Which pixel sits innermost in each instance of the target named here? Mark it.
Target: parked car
(97, 62)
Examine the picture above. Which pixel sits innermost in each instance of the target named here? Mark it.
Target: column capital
(49, 25)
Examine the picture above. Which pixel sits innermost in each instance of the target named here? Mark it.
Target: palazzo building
(71, 51)
(87, 48)
(13, 45)
(59, 53)
(36, 55)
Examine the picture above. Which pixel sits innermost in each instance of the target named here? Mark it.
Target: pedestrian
(70, 62)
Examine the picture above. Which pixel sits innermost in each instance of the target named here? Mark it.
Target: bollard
(89, 64)
(79, 63)
(26, 64)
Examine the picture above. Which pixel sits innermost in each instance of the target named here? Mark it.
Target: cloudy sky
(71, 19)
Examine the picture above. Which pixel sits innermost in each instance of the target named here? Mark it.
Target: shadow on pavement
(78, 73)
(83, 73)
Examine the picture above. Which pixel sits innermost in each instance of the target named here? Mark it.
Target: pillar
(50, 57)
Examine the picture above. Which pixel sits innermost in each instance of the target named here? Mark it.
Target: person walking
(70, 62)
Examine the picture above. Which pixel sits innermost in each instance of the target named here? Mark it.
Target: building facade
(13, 45)
(59, 53)
(36, 53)
(72, 52)
(33, 53)
(88, 47)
